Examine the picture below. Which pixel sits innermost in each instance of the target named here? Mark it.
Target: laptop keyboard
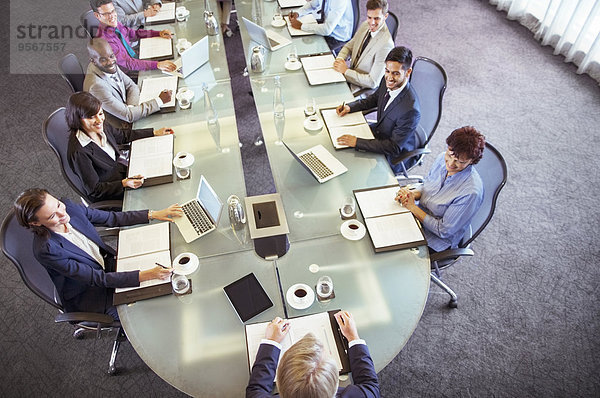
(197, 216)
(315, 164)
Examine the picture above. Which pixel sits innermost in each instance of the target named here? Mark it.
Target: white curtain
(572, 27)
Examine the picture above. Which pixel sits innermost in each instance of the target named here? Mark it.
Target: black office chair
(17, 244)
(429, 80)
(56, 135)
(392, 24)
(90, 23)
(493, 171)
(72, 71)
(356, 13)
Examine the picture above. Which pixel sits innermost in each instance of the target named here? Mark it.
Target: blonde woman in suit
(366, 65)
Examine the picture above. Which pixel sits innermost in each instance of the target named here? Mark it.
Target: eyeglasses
(107, 14)
(454, 157)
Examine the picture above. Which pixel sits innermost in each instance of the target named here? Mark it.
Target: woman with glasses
(451, 193)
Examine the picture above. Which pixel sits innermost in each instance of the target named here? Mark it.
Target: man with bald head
(118, 93)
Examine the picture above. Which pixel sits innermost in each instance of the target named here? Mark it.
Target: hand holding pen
(277, 329)
(133, 182)
(342, 109)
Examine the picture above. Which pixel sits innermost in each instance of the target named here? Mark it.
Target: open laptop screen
(209, 200)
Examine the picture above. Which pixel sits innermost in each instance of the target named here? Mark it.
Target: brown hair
(307, 371)
(27, 205)
(81, 105)
(377, 4)
(468, 142)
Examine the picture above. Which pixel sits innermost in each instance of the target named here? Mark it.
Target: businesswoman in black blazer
(93, 150)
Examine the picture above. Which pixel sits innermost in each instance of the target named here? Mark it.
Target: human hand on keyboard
(168, 214)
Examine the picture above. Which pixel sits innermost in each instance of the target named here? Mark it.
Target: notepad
(291, 3)
(323, 325)
(164, 16)
(152, 86)
(305, 19)
(391, 226)
(140, 249)
(318, 69)
(152, 158)
(352, 123)
(156, 48)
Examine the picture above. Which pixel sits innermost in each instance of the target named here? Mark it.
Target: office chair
(493, 171)
(356, 13)
(90, 23)
(72, 71)
(17, 245)
(392, 24)
(56, 134)
(428, 79)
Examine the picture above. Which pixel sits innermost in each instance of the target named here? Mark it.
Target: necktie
(362, 48)
(120, 85)
(125, 44)
(386, 98)
(321, 19)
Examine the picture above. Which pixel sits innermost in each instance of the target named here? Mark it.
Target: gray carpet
(528, 317)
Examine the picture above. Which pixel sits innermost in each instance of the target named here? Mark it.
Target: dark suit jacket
(395, 128)
(361, 365)
(101, 176)
(80, 281)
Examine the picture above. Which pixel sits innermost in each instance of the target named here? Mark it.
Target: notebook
(152, 86)
(319, 162)
(164, 16)
(156, 48)
(201, 214)
(267, 38)
(318, 69)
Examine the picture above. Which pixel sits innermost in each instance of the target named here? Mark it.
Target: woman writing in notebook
(451, 193)
(93, 149)
(81, 266)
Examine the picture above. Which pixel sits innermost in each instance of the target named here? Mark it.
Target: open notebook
(352, 123)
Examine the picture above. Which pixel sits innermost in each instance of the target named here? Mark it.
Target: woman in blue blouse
(452, 191)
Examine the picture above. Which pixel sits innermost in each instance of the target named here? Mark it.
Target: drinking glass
(324, 288)
(181, 284)
(310, 108)
(292, 56)
(348, 208)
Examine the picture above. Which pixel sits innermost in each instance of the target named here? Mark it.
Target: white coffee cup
(183, 162)
(181, 13)
(184, 96)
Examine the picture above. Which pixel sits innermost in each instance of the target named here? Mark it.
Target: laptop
(193, 58)
(201, 214)
(319, 162)
(267, 38)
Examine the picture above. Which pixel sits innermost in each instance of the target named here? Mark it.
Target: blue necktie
(125, 44)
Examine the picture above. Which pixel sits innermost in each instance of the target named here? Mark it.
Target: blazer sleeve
(367, 103)
(129, 20)
(263, 372)
(363, 374)
(115, 218)
(375, 72)
(125, 136)
(115, 106)
(404, 126)
(346, 51)
(83, 166)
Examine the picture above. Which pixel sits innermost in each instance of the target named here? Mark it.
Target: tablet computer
(247, 297)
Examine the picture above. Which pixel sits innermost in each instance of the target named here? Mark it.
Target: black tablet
(247, 297)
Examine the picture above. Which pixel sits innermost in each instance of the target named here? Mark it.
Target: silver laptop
(267, 38)
(193, 58)
(319, 162)
(201, 214)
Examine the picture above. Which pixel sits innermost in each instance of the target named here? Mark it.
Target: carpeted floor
(528, 318)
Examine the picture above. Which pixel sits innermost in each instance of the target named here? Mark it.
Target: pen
(160, 265)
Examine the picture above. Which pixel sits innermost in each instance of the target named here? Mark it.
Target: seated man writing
(398, 111)
(367, 49)
(133, 13)
(119, 37)
(81, 266)
(451, 193)
(119, 95)
(306, 370)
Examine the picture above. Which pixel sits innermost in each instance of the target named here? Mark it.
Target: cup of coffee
(300, 296)
(353, 227)
(185, 97)
(182, 45)
(181, 13)
(183, 162)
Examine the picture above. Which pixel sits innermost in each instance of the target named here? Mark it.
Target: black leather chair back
(56, 135)
(356, 13)
(392, 24)
(72, 71)
(90, 23)
(16, 244)
(493, 171)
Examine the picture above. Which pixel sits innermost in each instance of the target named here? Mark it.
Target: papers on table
(319, 69)
(321, 325)
(152, 86)
(390, 225)
(140, 249)
(291, 3)
(165, 15)
(152, 158)
(156, 48)
(352, 123)
(305, 19)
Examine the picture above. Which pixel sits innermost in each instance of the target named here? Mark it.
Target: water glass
(310, 108)
(324, 288)
(293, 55)
(181, 284)
(348, 208)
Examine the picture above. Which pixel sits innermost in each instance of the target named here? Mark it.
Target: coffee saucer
(187, 268)
(278, 24)
(306, 302)
(293, 65)
(313, 125)
(353, 234)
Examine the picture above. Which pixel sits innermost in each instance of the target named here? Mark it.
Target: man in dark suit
(306, 369)
(398, 111)
(81, 266)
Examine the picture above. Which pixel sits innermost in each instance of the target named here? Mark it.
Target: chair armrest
(451, 253)
(367, 91)
(408, 155)
(103, 319)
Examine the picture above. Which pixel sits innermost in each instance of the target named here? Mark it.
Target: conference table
(196, 342)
